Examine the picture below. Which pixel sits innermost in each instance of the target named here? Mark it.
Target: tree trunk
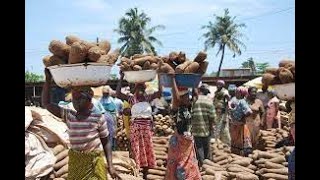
(221, 60)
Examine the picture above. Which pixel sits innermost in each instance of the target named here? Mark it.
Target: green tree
(225, 32)
(250, 64)
(135, 34)
(30, 77)
(261, 67)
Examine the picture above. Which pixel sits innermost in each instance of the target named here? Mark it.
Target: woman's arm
(175, 96)
(52, 108)
(119, 94)
(108, 153)
(157, 94)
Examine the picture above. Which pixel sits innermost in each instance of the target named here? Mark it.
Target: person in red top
(88, 134)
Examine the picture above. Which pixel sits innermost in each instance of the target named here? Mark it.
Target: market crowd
(234, 116)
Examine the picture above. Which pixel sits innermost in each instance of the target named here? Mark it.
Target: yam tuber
(275, 176)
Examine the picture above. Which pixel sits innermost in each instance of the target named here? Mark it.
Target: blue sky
(270, 27)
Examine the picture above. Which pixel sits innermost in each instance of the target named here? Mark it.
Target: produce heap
(176, 62)
(259, 165)
(163, 125)
(282, 75)
(76, 50)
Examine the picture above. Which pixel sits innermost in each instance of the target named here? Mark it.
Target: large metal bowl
(139, 76)
(189, 80)
(81, 74)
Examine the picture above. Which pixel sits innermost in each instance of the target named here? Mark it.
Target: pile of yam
(176, 62)
(139, 62)
(272, 164)
(225, 165)
(161, 145)
(269, 138)
(61, 165)
(122, 140)
(163, 125)
(123, 164)
(75, 50)
(282, 75)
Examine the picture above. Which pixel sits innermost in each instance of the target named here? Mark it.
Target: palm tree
(224, 33)
(250, 64)
(135, 35)
(261, 67)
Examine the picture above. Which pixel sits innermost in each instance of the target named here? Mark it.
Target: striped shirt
(85, 134)
(203, 115)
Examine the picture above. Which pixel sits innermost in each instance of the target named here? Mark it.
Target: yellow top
(126, 119)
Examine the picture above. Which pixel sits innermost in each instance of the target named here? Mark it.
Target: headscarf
(82, 92)
(242, 90)
(221, 82)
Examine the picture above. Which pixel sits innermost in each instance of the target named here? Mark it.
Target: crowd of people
(234, 116)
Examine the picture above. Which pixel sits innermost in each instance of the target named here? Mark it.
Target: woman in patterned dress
(141, 125)
(240, 134)
(182, 163)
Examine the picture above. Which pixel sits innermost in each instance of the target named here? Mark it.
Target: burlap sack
(201, 56)
(72, 39)
(105, 45)
(59, 48)
(95, 53)
(78, 53)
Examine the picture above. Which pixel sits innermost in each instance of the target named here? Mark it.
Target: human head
(106, 91)
(232, 90)
(252, 91)
(184, 94)
(241, 92)
(81, 98)
(220, 84)
(204, 89)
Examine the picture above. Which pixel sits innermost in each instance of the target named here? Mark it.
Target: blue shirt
(240, 109)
